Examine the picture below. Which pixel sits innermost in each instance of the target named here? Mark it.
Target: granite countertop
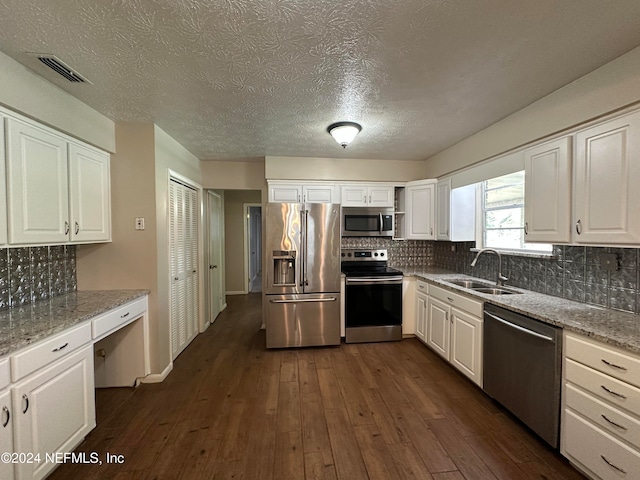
(22, 326)
(616, 328)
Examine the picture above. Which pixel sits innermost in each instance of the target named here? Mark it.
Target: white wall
(30, 94)
(609, 88)
(308, 168)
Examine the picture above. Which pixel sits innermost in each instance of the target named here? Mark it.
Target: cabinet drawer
(604, 415)
(603, 386)
(461, 302)
(5, 373)
(598, 451)
(422, 287)
(603, 358)
(118, 317)
(42, 353)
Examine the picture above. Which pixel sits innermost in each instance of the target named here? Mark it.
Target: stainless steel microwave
(367, 222)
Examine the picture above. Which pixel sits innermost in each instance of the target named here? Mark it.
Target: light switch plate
(139, 223)
(609, 262)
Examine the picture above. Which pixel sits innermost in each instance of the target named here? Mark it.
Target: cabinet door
(38, 196)
(354, 195)
(285, 193)
(54, 410)
(466, 344)
(607, 173)
(443, 209)
(6, 433)
(547, 192)
(317, 193)
(420, 212)
(421, 315)
(3, 186)
(89, 194)
(380, 196)
(438, 327)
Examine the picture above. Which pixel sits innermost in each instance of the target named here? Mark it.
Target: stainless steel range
(373, 298)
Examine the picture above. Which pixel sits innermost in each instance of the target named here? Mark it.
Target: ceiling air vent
(61, 68)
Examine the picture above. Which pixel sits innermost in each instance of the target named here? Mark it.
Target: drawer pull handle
(619, 395)
(25, 400)
(125, 315)
(60, 348)
(613, 365)
(5, 411)
(613, 423)
(450, 299)
(612, 465)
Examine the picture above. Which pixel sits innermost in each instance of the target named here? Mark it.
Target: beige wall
(30, 94)
(234, 236)
(308, 168)
(609, 88)
(238, 175)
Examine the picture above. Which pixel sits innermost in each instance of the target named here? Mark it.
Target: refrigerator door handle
(306, 300)
(305, 247)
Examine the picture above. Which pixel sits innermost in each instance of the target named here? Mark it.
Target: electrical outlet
(139, 223)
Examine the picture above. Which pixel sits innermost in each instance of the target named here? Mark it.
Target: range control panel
(363, 255)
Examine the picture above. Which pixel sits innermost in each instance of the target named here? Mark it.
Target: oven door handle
(305, 300)
(374, 280)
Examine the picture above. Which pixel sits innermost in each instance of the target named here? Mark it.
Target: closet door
(183, 252)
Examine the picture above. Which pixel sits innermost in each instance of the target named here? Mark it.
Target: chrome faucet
(501, 278)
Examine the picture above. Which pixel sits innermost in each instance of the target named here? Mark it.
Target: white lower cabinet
(6, 433)
(600, 427)
(451, 325)
(54, 409)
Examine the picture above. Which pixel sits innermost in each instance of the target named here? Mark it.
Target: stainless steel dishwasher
(522, 369)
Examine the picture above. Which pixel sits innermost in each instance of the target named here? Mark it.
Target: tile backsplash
(29, 274)
(573, 272)
(402, 253)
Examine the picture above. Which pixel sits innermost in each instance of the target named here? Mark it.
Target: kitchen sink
(496, 291)
(473, 284)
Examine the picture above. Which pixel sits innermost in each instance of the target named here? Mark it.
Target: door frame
(246, 212)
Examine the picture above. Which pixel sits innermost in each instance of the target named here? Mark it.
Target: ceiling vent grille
(61, 68)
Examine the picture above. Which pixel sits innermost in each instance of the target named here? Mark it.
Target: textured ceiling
(235, 79)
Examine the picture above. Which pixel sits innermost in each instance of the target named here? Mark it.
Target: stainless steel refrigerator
(303, 274)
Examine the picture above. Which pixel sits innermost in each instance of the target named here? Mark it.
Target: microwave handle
(381, 223)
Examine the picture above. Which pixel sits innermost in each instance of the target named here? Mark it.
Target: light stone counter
(22, 326)
(616, 328)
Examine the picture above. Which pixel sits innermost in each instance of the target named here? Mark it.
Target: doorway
(253, 245)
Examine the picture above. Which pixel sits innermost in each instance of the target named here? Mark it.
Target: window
(503, 214)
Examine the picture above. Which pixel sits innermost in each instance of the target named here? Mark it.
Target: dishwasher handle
(519, 328)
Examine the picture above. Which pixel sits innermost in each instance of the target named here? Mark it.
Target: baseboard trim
(158, 377)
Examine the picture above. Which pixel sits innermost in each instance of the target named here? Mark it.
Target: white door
(54, 410)
(381, 196)
(466, 344)
(183, 253)
(606, 177)
(318, 193)
(420, 211)
(547, 192)
(216, 290)
(37, 193)
(89, 194)
(285, 193)
(354, 195)
(421, 315)
(6, 433)
(438, 328)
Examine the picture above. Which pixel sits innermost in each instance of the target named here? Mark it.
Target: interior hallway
(232, 409)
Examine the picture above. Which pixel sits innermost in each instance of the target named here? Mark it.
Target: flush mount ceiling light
(344, 132)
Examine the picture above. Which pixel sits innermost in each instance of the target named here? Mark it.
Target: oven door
(373, 308)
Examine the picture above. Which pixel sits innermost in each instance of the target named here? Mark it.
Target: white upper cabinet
(547, 201)
(89, 194)
(38, 199)
(367, 195)
(420, 203)
(606, 178)
(455, 212)
(3, 185)
(283, 192)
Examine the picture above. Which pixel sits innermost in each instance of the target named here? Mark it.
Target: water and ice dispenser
(284, 267)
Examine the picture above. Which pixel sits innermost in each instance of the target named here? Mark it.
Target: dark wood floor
(233, 410)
